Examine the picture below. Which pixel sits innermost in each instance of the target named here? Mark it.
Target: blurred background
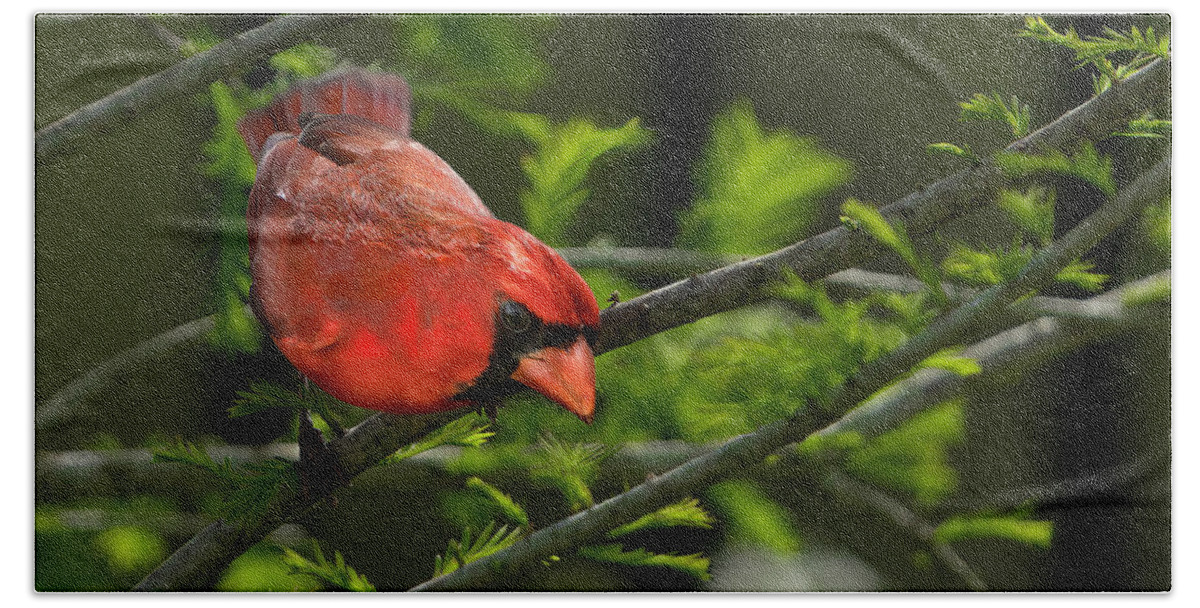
(137, 233)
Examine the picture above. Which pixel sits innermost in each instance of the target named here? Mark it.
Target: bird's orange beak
(565, 375)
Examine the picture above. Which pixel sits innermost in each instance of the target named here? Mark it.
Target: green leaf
(750, 516)
(261, 569)
(896, 239)
(1147, 127)
(570, 467)
(1156, 226)
(507, 506)
(686, 512)
(758, 190)
(470, 548)
(252, 486)
(1087, 165)
(695, 564)
(186, 452)
(339, 573)
(131, 549)
(1079, 273)
(991, 266)
(466, 432)
(1016, 527)
(993, 107)
(562, 157)
(456, 59)
(1148, 293)
(1095, 49)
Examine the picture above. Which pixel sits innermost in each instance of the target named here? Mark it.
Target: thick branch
(181, 79)
(747, 450)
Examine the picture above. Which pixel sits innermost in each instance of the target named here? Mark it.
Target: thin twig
(906, 519)
(747, 450)
(62, 403)
(181, 79)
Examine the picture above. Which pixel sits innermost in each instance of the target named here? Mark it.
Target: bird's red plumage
(381, 275)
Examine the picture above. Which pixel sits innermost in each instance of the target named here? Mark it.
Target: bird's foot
(320, 471)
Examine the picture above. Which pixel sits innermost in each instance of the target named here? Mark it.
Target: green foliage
(990, 266)
(1032, 211)
(472, 547)
(198, 43)
(1087, 164)
(229, 165)
(233, 169)
(481, 66)
(304, 61)
(1158, 290)
(252, 486)
(131, 549)
(913, 458)
(339, 574)
(1147, 127)
(751, 517)
(468, 431)
(686, 512)
(1016, 527)
(263, 396)
(1079, 273)
(562, 157)
(1096, 50)
(458, 60)
(260, 569)
(757, 189)
(896, 239)
(695, 564)
(1156, 226)
(502, 502)
(570, 467)
(993, 107)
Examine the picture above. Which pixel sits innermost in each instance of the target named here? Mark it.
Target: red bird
(384, 278)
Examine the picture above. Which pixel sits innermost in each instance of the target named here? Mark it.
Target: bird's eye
(515, 317)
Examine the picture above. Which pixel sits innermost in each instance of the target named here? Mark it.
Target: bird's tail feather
(379, 97)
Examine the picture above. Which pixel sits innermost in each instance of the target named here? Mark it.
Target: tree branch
(181, 79)
(745, 451)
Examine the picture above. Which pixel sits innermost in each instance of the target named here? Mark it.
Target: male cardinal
(384, 278)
